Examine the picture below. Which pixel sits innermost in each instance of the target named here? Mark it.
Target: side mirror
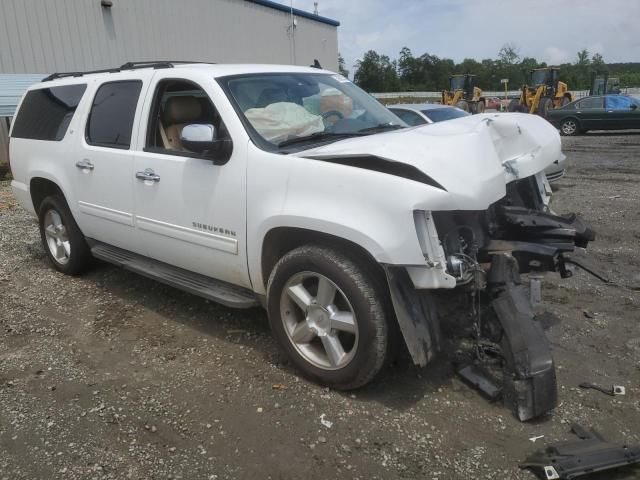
(633, 106)
(202, 138)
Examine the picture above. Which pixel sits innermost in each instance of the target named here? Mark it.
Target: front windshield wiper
(316, 136)
(381, 127)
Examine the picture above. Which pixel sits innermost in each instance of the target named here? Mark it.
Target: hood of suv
(472, 157)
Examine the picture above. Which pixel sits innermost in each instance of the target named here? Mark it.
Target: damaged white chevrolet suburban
(292, 188)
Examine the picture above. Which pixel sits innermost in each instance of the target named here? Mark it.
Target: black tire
(544, 106)
(78, 258)
(565, 101)
(516, 106)
(463, 105)
(359, 283)
(480, 107)
(569, 127)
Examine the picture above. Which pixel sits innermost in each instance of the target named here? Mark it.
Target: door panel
(620, 111)
(591, 113)
(102, 168)
(192, 214)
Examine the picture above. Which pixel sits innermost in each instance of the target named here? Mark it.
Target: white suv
(293, 189)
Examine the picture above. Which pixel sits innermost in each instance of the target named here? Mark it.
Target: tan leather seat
(178, 112)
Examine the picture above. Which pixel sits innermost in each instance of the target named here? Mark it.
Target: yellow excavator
(543, 92)
(463, 93)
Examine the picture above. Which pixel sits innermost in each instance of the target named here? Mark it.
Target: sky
(549, 30)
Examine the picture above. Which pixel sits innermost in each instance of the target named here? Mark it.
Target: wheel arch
(280, 240)
(40, 188)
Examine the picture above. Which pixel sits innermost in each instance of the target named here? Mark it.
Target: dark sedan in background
(601, 112)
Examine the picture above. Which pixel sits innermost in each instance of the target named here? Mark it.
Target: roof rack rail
(155, 64)
(57, 75)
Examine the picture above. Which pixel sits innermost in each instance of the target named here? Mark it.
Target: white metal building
(38, 37)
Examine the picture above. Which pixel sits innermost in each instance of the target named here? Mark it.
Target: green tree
(376, 73)
(379, 73)
(583, 57)
(509, 54)
(597, 61)
(342, 69)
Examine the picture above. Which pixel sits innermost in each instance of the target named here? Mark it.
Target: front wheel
(569, 127)
(328, 312)
(544, 106)
(516, 106)
(61, 237)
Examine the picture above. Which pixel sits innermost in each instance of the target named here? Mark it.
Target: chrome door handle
(148, 174)
(84, 164)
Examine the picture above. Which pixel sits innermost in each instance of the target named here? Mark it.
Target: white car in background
(426, 113)
(292, 189)
(422, 113)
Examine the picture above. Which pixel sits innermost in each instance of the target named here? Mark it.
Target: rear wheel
(463, 104)
(480, 107)
(569, 127)
(62, 240)
(564, 101)
(328, 314)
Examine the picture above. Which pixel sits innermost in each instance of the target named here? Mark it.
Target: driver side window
(176, 104)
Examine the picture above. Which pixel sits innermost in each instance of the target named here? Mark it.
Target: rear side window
(591, 102)
(410, 118)
(110, 121)
(46, 113)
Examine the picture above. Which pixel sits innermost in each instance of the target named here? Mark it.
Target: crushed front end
(486, 251)
(482, 254)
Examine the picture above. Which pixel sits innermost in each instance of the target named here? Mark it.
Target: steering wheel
(332, 113)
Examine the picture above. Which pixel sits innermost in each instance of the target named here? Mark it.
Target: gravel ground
(111, 375)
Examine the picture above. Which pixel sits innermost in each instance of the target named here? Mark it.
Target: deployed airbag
(281, 120)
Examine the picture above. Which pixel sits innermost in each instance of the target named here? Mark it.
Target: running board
(200, 285)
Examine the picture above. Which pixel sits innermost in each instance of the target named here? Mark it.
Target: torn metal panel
(529, 387)
(416, 314)
(575, 458)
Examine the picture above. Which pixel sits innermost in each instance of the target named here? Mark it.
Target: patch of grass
(5, 173)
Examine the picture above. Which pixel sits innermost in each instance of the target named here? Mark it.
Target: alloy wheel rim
(569, 127)
(57, 237)
(319, 320)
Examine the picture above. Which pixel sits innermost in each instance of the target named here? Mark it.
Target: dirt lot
(114, 376)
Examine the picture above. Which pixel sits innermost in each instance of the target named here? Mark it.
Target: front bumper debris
(575, 458)
(529, 379)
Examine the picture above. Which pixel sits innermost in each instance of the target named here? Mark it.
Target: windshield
(440, 114)
(457, 83)
(539, 77)
(283, 109)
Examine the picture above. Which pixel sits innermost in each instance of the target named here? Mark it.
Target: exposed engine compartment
(486, 252)
(519, 224)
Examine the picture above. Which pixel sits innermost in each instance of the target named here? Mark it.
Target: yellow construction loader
(543, 92)
(463, 93)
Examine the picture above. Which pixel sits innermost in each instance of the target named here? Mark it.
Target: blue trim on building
(297, 12)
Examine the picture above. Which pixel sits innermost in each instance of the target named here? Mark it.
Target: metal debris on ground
(612, 391)
(574, 458)
(324, 422)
